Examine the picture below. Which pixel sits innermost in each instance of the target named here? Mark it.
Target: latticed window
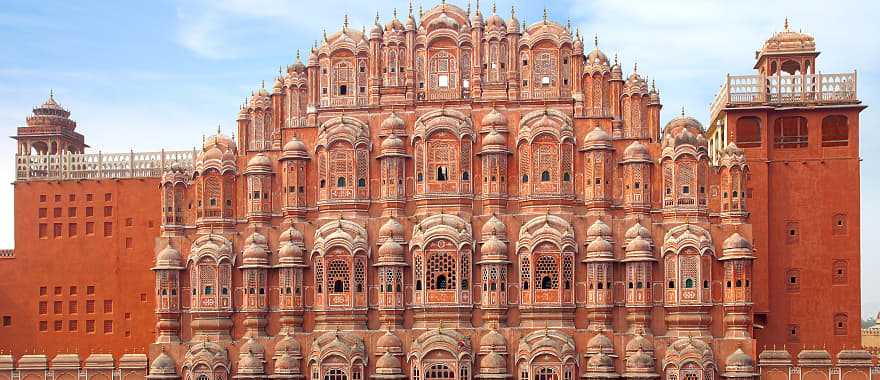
(546, 272)
(442, 71)
(359, 276)
(525, 272)
(686, 186)
(441, 271)
(544, 69)
(319, 276)
(338, 274)
(790, 132)
(546, 373)
(567, 272)
(335, 374)
(343, 80)
(465, 270)
(439, 371)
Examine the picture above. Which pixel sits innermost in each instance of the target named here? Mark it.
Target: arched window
(442, 173)
(546, 272)
(545, 176)
(338, 274)
(835, 131)
(202, 377)
(748, 132)
(790, 132)
(340, 182)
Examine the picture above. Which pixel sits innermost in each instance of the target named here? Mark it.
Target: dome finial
(51, 94)
(377, 18)
(493, 7)
(635, 67)
(325, 35)
(297, 55)
(512, 11)
(345, 22)
(394, 13)
(218, 128)
(682, 110)
(615, 59)
(468, 11)
(568, 24)
(421, 12)
(410, 8)
(596, 40)
(545, 14)
(786, 23)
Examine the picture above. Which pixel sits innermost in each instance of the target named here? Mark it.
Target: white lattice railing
(100, 165)
(785, 89)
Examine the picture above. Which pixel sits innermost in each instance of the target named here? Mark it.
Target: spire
(493, 6)
(615, 59)
(394, 13)
(545, 14)
(635, 67)
(682, 110)
(297, 55)
(410, 8)
(468, 11)
(345, 22)
(421, 12)
(51, 94)
(786, 23)
(377, 18)
(568, 24)
(512, 11)
(325, 35)
(596, 40)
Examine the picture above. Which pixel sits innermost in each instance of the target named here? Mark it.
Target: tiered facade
(466, 197)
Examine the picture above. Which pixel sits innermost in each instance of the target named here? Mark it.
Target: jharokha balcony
(785, 89)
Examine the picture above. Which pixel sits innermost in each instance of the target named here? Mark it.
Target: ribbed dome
(599, 245)
(392, 229)
(295, 145)
(493, 247)
(393, 123)
(494, 226)
(638, 230)
(638, 245)
(600, 362)
(639, 360)
(597, 57)
(389, 342)
(388, 361)
(289, 345)
(163, 365)
(597, 135)
(259, 163)
(494, 139)
(291, 234)
(251, 345)
(393, 144)
(255, 254)
(286, 363)
(639, 342)
(391, 249)
(739, 359)
(599, 228)
(256, 238)
(600, 343)
(169, 257)
(289, 251)
(493, 360)
(636, 152)
(789, 41)
(494, 119)
(492, 340)
(736, 241)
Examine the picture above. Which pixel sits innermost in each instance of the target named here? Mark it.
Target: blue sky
(151, 75)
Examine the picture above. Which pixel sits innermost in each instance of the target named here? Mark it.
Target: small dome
(169, 257)
(597, 135)
(494, 119)
(288, 345)
(493, 247)
(393, 123)
(789, 41)
(251, 345)
(259, 162)
(295, 145)
(494, 227)
(639, 342)
(600, 343)
(854, 356)
(493, 360)
(638, 230)
(392, 229)
(250, 363)
(493, 339)
(286, 363)
(388, 361)
(600, 361)
(291, 235)
(389, 342)
(683, 130)
(640, 360)
(256, 238)
(736, 242)
(254, 255)
(739, 359)
(599, 228)
(391, 249)
(638, 245)
(774, 355)
(393, 144)
(636, 152)
(495, 21)
(597, 57)
(289, 251)
(814, 355)
(213, 153)
(599, 245)
(494, 139)
(163, 365)
(279, 84)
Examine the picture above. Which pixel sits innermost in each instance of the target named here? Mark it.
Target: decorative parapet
(100, 165)
(812, 89)
(96, 366)
(7, 253)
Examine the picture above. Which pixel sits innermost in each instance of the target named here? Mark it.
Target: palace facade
(457, 197)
